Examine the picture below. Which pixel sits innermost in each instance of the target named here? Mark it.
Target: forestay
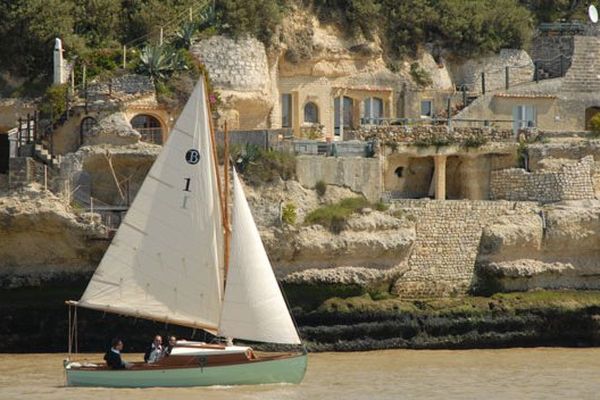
(253, 308)
(166, 260)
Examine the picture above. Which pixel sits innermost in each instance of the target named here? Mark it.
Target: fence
(265, 139)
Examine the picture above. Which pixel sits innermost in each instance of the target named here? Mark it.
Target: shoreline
(34, 320)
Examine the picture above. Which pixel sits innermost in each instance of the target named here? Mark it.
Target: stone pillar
(440, 176)
(59, 67)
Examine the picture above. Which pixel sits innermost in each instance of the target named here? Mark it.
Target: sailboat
(172, 261)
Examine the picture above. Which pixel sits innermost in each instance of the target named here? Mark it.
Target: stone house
(566, 103)
(132, 96)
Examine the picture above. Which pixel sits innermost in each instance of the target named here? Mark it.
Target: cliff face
(41, 238)
(558, 248)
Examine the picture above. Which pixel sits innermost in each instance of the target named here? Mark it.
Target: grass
(511, 303)
(335, 216)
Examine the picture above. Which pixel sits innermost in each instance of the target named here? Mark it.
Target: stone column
(440, 176)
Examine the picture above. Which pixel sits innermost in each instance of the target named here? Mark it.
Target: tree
(97, 21)
(28, 31)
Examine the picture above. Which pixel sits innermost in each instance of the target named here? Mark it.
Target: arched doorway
(590, 112)
(86, 126)
(149, 127)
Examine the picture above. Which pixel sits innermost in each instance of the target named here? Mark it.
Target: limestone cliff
(42, 238)
(558, 248)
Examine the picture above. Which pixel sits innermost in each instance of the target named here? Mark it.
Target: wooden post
(83, 76)
(191, 15)
(507, 77)
(91, 207)
(226, 200)
(449, 110)
(483, 83)
(562, 58)
(160, 42)
(124, 56)
(536, 73)
(464, 95)
(45, 177)
(28, 128)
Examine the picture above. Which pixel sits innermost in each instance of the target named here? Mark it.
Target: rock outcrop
(559, 248)
(42, 238)
(114, 129)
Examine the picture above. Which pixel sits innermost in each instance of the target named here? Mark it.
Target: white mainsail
(253, 307)
(166, 260)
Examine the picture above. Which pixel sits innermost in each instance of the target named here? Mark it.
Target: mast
(214, 148)
(226, 202)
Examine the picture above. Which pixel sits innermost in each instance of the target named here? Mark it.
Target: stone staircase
(43, 154)
(584, 74)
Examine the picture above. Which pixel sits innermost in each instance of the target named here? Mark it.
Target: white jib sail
(166, 260)
(253, 308)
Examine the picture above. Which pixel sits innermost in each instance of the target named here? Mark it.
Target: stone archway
(149, 127)
(590, 112)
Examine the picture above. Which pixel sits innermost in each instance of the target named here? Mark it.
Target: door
(524, 116)
(4, 153)
(346, 110)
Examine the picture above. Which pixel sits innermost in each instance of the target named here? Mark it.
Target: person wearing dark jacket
(113, 356)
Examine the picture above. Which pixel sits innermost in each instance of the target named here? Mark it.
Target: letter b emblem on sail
(192, 156)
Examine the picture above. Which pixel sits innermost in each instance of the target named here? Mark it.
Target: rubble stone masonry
(571, 181)
(448, 234)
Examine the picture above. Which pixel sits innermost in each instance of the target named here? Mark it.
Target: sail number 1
(186, 189)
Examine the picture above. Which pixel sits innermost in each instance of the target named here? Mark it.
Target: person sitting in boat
(169, 347)
(155, 352)
(113, 356)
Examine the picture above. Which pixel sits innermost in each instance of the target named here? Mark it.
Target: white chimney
(59, 67)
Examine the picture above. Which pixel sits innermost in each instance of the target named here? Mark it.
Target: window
(524, 116)
(426, 108)
(149, 127)
(286, 110)
(373, 111)
(311, 113)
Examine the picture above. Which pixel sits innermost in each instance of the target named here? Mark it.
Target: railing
(25, 133)
(151, 135)
(428, 121)
(563, 27)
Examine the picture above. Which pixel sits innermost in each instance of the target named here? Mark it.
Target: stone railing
(434, 135)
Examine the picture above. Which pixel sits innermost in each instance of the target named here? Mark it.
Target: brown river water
(543, 373)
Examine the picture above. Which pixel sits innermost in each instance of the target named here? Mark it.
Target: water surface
(544, 373)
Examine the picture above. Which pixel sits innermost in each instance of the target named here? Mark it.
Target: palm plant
(159, 62)
(185, 35)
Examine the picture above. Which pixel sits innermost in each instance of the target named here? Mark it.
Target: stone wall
(239, 65)
(21, 172)
(362, 175)
(468, 73)
(443, 259)
(569, 181)
(434, 135)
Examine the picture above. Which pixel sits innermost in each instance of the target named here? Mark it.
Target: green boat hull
(282, 370)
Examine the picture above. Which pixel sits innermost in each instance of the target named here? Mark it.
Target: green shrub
(335, 216)
(288, 214)
(475, 141)
(321, 188)
(595, 124)
(263, 166)
(420, 75)
(54, 102)
(381, 206)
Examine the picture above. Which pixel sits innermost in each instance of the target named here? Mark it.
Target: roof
(525, 96)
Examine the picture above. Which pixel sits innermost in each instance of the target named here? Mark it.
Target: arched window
(149, 127)
(311, 113)
(373, 111)
(86, 125)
